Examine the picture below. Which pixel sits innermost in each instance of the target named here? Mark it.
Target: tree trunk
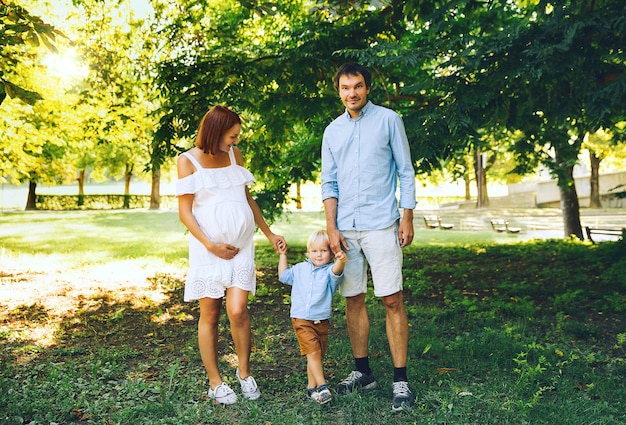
(594, 181)
(298, 196)
(31, 200)
(570, 206)
(468, 182)
(155, 192)
(483, 184)
(81, 188)
(481, 179)
(127, 177)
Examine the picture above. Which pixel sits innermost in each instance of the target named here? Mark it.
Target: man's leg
(398, 337)
(358, 331)
(354, 288)
(384, 255)
(358, 325)
(397, 328)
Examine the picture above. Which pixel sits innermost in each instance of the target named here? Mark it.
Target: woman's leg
(207, 338)
(237, 309)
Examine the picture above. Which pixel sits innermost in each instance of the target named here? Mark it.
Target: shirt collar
(363, 112)
(308, 260)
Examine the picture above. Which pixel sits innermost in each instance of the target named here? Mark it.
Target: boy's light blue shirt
(312, 289)
(362, 161)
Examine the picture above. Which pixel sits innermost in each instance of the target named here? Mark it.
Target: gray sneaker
(402, 396)
(355, 381)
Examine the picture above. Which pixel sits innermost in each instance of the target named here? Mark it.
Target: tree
(568, 81)
(273, 63)
(117, 91)
(34, 143)
(20, 35)
(464, 75)
(600, 145)
(553, 72)
(44, 147)
(108, 132)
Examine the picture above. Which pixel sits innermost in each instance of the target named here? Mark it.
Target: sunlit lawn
(91, 237)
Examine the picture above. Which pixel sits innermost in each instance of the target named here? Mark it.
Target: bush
(99, 202)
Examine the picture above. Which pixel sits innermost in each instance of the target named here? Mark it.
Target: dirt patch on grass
(50, 309)
(43, 301)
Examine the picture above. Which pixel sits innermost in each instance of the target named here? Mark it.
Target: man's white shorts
(381, 250)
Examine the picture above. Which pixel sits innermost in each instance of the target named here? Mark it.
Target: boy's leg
(314, 369)
(313, 340)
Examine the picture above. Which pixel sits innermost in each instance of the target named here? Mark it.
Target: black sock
(363, 365)
(399, 374)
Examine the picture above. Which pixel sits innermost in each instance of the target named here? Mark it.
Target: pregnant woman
(215, 205)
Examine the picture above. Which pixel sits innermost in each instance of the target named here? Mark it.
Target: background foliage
(521, 83)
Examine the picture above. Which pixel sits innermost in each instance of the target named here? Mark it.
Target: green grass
(503, 330)
(95, 236)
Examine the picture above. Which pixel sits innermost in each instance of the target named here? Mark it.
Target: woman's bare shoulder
(238, 155)
(184, 166)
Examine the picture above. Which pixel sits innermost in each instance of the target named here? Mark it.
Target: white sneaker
(249, 387)
(222, 394)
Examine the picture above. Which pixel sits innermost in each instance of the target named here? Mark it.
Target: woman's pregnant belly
(228, 222)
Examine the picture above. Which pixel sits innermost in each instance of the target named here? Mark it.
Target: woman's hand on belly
(224, 251)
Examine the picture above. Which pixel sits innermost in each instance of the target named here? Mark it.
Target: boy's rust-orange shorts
(312, 335)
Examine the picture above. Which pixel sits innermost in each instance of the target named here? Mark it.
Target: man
(365, 152)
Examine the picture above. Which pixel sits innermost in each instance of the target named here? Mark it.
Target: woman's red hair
(213, 126)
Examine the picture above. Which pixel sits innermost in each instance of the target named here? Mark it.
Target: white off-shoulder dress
(222, 211)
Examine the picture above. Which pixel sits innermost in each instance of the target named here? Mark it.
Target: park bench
(618, 232)
(434, 222)
(501, 225)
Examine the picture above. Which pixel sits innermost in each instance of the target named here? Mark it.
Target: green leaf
(26, 96)
(32, 38)
(48, 44)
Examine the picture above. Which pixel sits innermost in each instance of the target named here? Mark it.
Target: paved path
(542, 223)
(535, 223)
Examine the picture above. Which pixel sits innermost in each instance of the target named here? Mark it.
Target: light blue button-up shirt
(363, 160)
(312, 289)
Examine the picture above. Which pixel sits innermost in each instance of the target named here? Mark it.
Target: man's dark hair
(352, 69)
